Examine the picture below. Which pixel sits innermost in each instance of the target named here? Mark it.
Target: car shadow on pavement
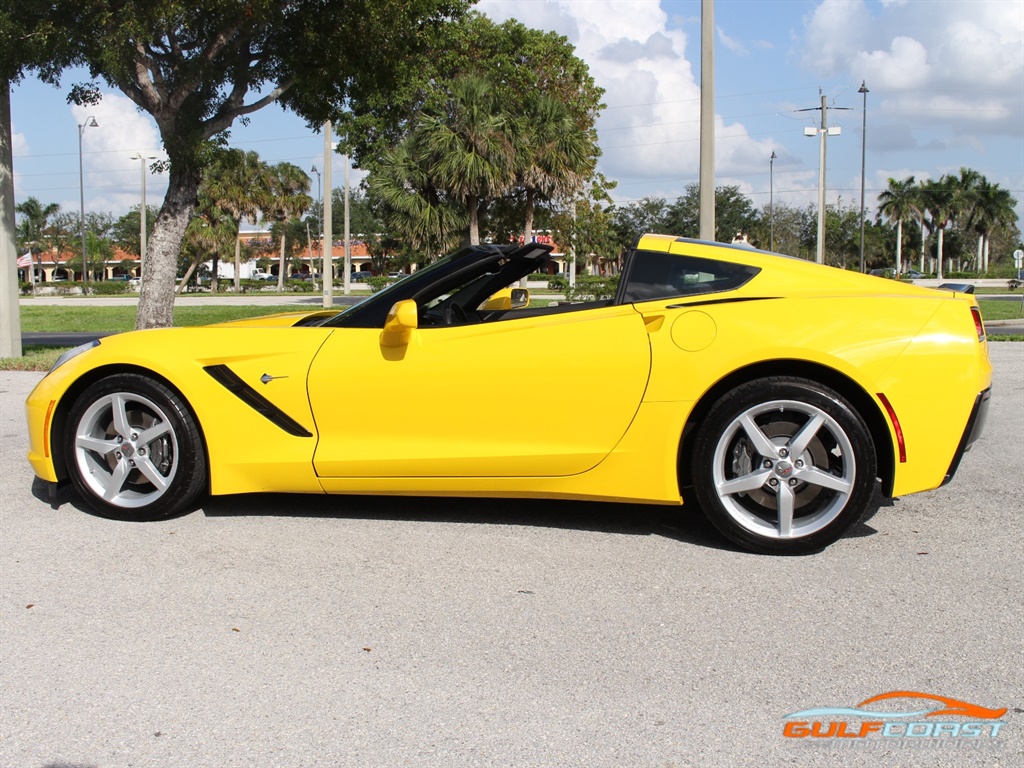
(683, 524)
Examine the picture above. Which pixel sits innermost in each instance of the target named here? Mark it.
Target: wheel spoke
(798, 444)
(152, 474)
(825, 480)
(758, 439)
(785, 498)
(119, 406)
(750, 482)
(95, 444)
(157, 430)
(112, 487)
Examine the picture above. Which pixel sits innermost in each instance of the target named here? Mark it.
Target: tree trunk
(184, 280)
(923, 240)
(474, 220)
(280, 269)
(528, 228)
(899, 248)
(938, 260)
(156, 299)
(238, 263)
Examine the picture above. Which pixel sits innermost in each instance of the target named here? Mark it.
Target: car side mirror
(402, 320)
(520, 298)
(506, 298)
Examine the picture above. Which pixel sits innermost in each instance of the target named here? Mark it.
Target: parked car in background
(360, 277)
(913, 274)
(777, 395)
(957, 287)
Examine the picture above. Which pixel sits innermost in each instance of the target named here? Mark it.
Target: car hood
(281, 320)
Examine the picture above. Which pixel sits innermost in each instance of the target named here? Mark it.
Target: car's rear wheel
(783, 466)
(134, 451)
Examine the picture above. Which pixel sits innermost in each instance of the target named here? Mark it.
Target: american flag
(24, 261)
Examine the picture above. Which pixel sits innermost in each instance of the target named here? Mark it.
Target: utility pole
(10, 317)
(863, 163)
(771, 202)
(348, 249)
(142, 211)
(822, 133)
(707, 120)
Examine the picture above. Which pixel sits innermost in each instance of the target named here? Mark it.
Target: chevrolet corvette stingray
(773, 393)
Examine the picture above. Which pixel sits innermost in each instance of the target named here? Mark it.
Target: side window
(655, 275)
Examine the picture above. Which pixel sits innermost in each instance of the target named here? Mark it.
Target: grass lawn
(1000, 310)
(53, 319)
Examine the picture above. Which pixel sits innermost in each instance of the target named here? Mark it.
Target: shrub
(593, 288)
(559, 284)
(251, 285)
(110, 287)
(378, 282)
(300, 286)
(25, 288)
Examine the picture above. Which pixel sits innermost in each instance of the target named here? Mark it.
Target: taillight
(979, 326)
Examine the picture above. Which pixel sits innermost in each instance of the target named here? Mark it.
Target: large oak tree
(196, 67)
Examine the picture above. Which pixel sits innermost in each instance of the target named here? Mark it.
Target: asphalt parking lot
(310, 631)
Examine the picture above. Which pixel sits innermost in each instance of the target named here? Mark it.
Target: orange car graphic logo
(832, 722)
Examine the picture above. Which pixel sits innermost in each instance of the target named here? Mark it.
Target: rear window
(656, 275)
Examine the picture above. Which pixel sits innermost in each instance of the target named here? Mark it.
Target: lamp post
(89, 123)
(863, 157)
(319, 216)
(771, 202)
(142, 211)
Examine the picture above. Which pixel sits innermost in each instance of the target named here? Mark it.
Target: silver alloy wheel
(126, 450)
(784, 469)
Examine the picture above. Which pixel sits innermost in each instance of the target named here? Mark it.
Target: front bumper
(975, 426)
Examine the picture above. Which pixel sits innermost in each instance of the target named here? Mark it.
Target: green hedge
(110, 287)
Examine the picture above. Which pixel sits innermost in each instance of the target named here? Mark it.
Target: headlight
(72, 353)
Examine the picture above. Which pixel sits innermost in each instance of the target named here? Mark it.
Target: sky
(945, 82)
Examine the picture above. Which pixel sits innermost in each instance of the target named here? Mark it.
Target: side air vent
(234, 384)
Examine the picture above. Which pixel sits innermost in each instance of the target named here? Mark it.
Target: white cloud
(651, 128)
(112, 178)
(731, 43)
(960, 60)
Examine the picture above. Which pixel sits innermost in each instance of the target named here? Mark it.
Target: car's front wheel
(133, 449)
(783, 465)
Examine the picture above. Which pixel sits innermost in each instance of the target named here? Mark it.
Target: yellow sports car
(772, 392)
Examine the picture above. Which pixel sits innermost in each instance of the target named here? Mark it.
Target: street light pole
(89, 123)
(863, 158)
(142, 211)
(771, 202)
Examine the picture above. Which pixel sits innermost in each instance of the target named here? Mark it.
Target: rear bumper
(975, 426)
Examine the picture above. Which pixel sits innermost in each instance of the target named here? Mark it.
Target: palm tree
(34, 224)
(466, 148)
(210, 231)
(288, 198)
(554, 155)
(993, 207)
(898, 203)
(237, 183)
(411, 205)
(939, 200)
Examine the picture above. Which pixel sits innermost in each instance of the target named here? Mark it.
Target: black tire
(133, 449)
(761, 496)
